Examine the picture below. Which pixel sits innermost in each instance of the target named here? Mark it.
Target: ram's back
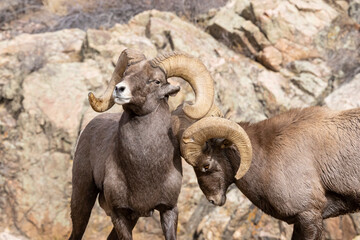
(314, 152)
(338, 154)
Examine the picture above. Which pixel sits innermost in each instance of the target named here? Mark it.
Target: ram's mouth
(122, 100)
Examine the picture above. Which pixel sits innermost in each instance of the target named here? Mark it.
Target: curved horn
(180, 122)
(196, 135)
(214, 111)
(105, 102)
(196, 74)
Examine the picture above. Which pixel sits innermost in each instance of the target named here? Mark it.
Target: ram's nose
(120, 89)
(217, 200)
(122, 93)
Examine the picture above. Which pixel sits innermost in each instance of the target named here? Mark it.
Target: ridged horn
(214, 111)
(180, 122)
(106, 101)
(195, 136)
(196, 74)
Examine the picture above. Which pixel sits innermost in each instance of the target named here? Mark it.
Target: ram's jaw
(122, 100)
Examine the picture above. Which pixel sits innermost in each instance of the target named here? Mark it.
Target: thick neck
(151, 129)
(234, 157)
(251, 183)
(146, 109)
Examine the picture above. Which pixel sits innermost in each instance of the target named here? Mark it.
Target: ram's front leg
(309, 226)
(169, 220)
(113, 235)
(123, 224)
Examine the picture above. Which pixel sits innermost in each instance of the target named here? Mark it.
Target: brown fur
(305, 167)
(131, 161)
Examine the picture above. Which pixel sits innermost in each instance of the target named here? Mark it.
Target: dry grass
(104, 14)
(10, 10)
(60, 14)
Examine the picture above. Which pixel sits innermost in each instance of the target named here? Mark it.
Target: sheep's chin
(121, 101)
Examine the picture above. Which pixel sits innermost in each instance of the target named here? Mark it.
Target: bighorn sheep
(303, 165)
(132, 160)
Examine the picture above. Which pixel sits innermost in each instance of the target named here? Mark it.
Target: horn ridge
(192, 70)
(206, 128)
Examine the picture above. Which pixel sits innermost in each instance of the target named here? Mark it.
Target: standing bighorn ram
(301, 166)
(132, 160)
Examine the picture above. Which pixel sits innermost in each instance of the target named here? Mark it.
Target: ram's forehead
(137, 67)
(143, 67)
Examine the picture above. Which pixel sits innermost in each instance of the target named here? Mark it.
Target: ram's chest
(149, 166)
(147, 151)
(145, 143)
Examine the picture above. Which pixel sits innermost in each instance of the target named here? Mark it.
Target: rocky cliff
(265, 57)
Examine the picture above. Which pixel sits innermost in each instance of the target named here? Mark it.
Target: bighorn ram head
(199, 148)
(138, 84)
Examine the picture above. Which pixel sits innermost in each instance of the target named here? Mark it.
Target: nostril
(121, 89)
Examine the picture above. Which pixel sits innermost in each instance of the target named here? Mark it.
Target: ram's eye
(206, 167)
(154, 81)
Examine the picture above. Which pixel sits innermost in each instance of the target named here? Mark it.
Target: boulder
(346, 96)
(354, 10)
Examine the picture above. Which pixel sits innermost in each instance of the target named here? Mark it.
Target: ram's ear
(168, 90)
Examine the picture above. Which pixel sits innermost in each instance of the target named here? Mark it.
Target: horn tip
(92, 99)
(91, 96)
(93, 102)
(240, 174)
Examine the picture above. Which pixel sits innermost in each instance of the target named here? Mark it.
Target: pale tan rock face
(272, 56)
(345, 97)
(61, 87)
